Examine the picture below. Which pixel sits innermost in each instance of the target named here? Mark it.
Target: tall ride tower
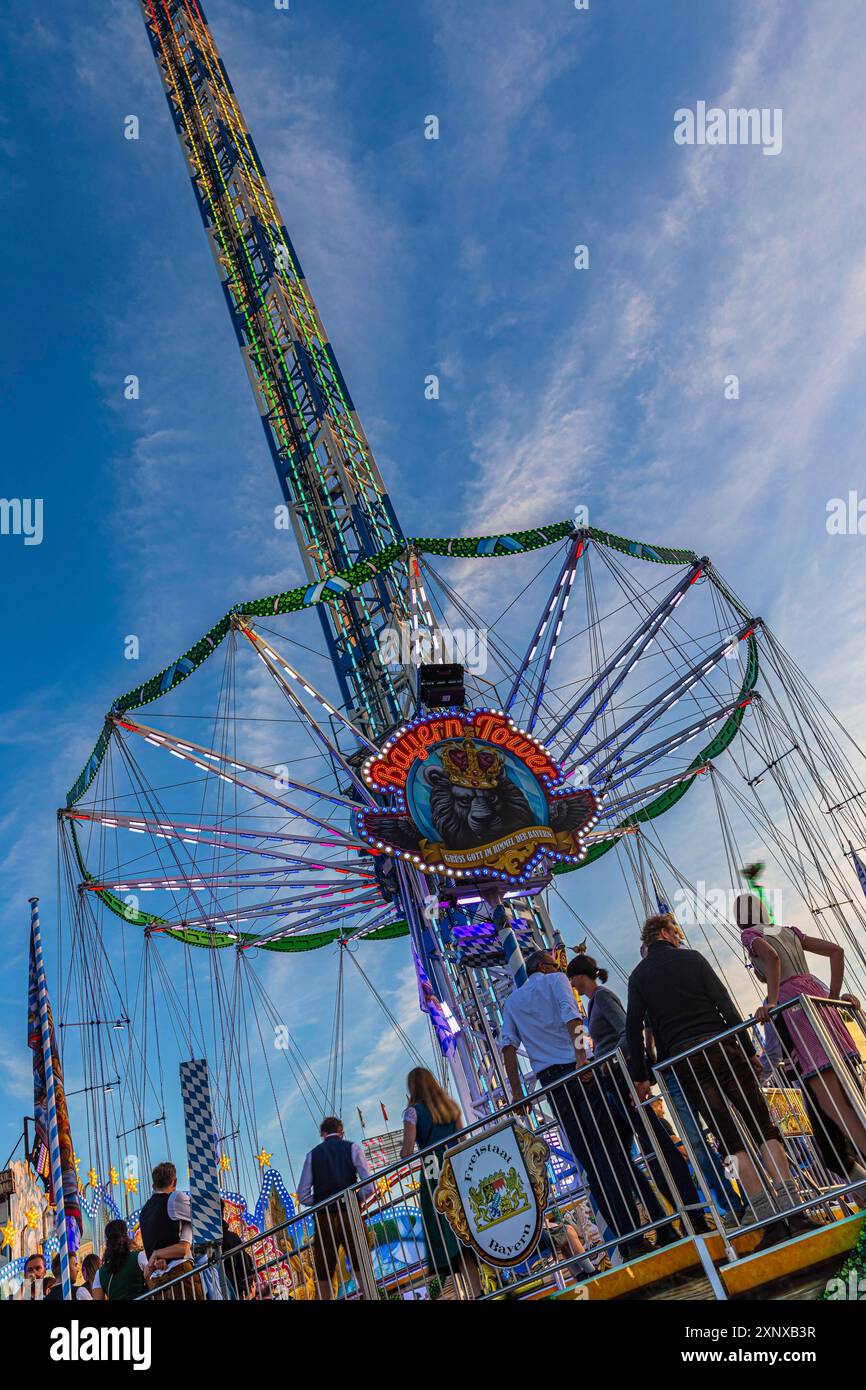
(339, 508)
(337, 500)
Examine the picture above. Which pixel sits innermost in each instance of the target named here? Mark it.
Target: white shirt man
(543, 1015)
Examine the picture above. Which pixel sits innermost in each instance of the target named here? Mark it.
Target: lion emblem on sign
(498, 1197)
(473, 801)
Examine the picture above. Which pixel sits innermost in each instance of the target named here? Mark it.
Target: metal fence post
(366, 1275)
(697, 1170)
(679, 1205)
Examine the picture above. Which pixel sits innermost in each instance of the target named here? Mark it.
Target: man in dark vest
(166, 1234)
(328, 1170)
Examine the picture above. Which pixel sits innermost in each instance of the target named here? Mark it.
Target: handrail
(485, 1122)
(521, 1108)
(750, 1023)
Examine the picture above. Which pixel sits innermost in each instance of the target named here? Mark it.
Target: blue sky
(453, 257)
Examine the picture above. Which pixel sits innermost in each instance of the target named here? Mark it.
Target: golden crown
(467, 765)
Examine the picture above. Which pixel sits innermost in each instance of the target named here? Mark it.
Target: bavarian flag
(71, 1203)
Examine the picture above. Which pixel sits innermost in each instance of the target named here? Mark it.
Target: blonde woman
(432, 1118)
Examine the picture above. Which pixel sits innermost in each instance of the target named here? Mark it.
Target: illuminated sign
(474, 797)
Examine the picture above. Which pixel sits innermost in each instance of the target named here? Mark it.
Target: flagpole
(53, 1134)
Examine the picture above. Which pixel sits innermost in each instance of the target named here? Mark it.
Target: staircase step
(797, 1269)
(794, 1259)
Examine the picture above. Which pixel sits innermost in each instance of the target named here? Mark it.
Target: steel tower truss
(336, 499)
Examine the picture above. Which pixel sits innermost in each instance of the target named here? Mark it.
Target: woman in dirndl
(778, 955)
(432, 1118)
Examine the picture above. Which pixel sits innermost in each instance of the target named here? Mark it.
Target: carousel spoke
(622, 663)
(649, 715)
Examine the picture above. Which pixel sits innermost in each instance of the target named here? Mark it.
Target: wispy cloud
(500, 63)
(730, 274)
(16, 1072)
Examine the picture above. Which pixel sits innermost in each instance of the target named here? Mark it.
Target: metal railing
(777, 1143)
(384, 1238)
(627, 1186)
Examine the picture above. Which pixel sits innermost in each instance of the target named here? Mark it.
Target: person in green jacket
(121, 1274)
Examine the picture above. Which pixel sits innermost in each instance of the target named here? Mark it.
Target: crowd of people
(679, 1027)
(638, 1172)
(679, 1011)
(160, 1253)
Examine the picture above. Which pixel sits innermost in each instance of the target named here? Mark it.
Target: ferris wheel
(231, 803)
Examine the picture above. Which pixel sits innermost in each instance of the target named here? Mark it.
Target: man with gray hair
(677, 994)
(545, 1018)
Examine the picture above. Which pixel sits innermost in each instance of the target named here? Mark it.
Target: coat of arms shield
(493, 1192)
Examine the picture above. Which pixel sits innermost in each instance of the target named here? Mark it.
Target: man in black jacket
(678, 995)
